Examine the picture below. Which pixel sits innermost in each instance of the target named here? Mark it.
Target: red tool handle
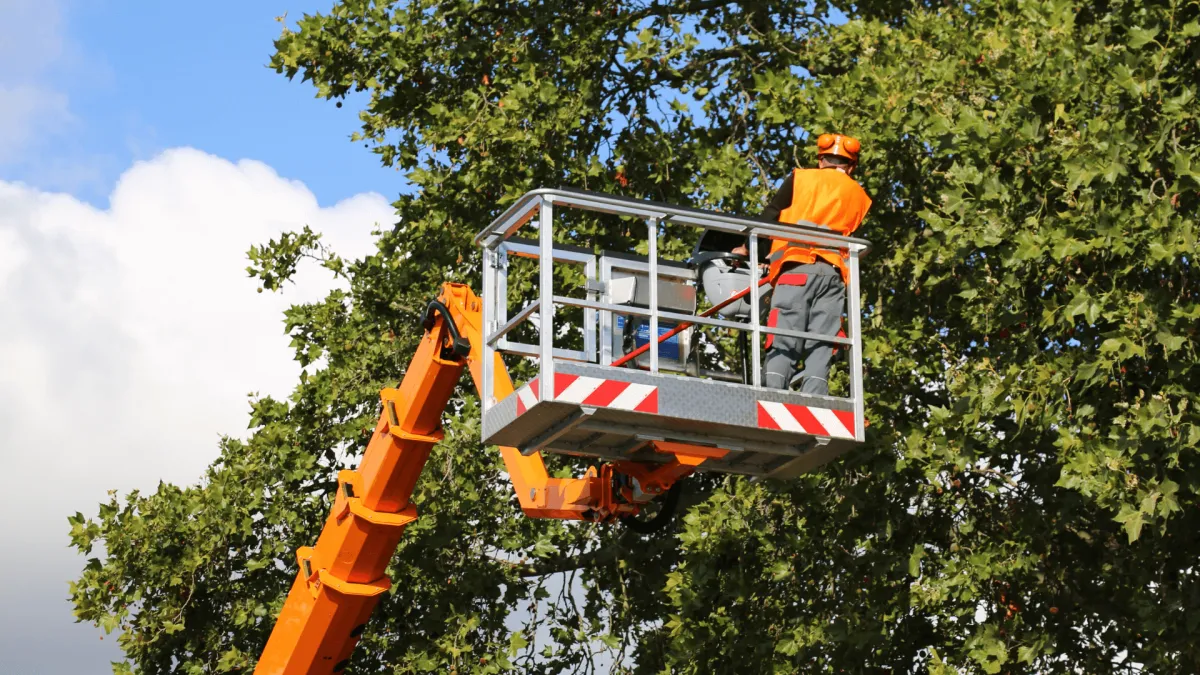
(687, 324)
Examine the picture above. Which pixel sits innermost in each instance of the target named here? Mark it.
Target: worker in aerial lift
(810, 283)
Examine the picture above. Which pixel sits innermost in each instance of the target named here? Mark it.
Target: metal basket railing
(498, 241)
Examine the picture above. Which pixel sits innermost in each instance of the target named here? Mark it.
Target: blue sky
(142, 76)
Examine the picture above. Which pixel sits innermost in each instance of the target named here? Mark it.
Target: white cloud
(129, 339)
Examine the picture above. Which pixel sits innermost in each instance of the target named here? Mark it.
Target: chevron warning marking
(593, 391)
(805, 419)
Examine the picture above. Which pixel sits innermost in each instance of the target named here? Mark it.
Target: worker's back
(826, 197)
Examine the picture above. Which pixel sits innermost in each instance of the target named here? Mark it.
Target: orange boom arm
(342, 576)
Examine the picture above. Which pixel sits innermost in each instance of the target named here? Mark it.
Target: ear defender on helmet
(839, 146)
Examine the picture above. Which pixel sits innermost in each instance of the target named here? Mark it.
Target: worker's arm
(781, 201)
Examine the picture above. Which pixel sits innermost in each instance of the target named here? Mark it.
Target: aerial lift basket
(601, 401)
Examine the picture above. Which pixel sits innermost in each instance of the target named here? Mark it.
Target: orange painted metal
(540, 495)
(656, 479)
(342, 577)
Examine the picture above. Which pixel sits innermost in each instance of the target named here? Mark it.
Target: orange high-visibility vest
(825, 197)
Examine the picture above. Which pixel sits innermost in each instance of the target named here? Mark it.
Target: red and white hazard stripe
(527, 396)
(802, 418)
(593, 391)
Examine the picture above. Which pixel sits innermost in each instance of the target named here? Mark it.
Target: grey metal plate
(690, 410)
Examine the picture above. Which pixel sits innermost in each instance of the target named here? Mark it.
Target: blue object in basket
(667, 349)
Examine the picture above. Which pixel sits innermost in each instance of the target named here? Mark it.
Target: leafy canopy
(1027, 501)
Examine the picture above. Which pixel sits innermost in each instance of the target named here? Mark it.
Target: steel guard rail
(541, 203)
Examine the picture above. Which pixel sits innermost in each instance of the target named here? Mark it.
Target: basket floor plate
(614, 413)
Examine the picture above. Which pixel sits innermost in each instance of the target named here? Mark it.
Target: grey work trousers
(816, 306)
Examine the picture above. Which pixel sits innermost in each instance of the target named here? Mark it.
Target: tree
(1027, 500)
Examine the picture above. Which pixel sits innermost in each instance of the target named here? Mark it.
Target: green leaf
(1168, 504)
(1138, 37)
(914, 560)
(988, 650)
(1170, 342)
(1079, 304)
(544, 548)
(611, 641)
(1133, 520)
(516, 642)
(1027, 653)
(781, 571)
